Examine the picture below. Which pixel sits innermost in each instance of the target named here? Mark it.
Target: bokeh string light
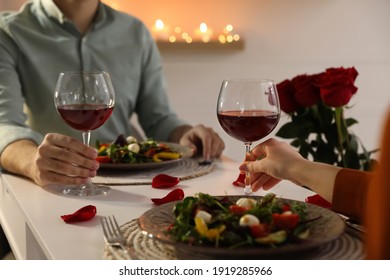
(203, 33)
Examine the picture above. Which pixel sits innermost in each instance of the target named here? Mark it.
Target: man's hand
(203, 140)
(59, 159)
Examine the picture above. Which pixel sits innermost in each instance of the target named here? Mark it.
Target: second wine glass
(84, 100)
(248, 110)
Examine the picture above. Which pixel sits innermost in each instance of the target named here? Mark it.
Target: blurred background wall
(282, 38)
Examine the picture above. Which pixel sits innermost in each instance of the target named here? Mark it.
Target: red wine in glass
(248, 126)
(85, 116)
(248, 110)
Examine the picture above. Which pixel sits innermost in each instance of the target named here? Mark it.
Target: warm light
(203, 33)
(184, 35)
(229, 28)
(222, 39)
(160, 30)
(203, 27)
(172, 39)
(160, 24)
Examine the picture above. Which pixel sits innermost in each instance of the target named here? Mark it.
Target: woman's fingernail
(243, 167)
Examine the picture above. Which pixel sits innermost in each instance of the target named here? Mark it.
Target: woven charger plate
(185, 169)
(346, 247)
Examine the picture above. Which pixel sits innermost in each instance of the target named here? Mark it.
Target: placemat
(346, 247)
(185, 169)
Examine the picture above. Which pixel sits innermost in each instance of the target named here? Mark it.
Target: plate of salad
(241, 227)
(129, 153)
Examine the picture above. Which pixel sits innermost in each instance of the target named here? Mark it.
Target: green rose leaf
(295, 130)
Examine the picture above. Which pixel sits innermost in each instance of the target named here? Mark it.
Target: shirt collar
(53, 11)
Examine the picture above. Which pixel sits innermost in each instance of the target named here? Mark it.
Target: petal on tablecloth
(319, 201)
(83, 214)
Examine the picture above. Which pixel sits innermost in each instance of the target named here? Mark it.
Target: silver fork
(113, 234)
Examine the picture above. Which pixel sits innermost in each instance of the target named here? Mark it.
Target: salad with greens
(230, 223)
(130, 150)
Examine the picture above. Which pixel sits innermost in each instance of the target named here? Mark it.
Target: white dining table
(31, 215)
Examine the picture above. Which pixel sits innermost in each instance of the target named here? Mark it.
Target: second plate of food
(327, 226)
(184, 151)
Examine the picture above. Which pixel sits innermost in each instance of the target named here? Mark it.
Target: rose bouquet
(316, 104)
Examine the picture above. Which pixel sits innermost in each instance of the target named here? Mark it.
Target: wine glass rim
(92, 72)
(249, 80)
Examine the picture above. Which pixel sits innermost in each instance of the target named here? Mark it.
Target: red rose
(287, 100)
(337, 86)
(306, 93)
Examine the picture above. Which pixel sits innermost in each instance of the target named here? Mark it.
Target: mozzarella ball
(247, 203)
(249, 220)
(133, 147)
(131, 139)
(204, 216)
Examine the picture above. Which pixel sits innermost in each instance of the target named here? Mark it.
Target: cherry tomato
(260, 230)
(286, 207)
(150, 152)
(237, 209)
(285, 220)
(103, 159)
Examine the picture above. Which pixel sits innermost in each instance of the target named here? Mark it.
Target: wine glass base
(247, 191)
(86, 190)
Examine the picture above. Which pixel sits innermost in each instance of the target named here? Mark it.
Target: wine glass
(248, 110)
(84, 100)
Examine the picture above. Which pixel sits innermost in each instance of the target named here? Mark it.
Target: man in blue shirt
(47, 37)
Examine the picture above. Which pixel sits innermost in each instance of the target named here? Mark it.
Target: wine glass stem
(247, 190)
(86, 137)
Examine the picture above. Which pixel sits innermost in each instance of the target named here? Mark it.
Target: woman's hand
(273, 161)
(270, 162)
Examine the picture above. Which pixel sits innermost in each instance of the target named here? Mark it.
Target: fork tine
(104, 223)
(115, 226)
(110, 227)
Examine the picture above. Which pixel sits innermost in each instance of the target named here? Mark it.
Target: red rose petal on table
(163, 181)
(240, 181)
(319, 201)
(176, 194)
(83, 214)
